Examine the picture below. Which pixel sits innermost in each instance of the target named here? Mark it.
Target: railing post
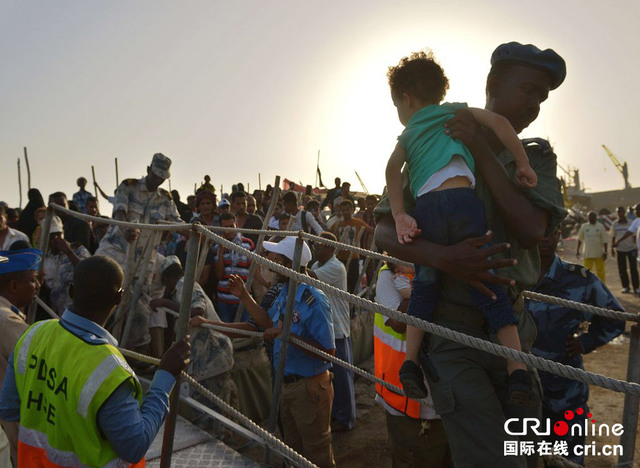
(284, 345)
(181, 327)
(44, 246)
(630, 409)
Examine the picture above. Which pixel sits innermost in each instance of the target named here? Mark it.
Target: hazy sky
(234, 89)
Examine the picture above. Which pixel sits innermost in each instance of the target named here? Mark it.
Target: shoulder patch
(166, 193)
(577, 269)
(541, 143)
(308, 297)
(129, 181)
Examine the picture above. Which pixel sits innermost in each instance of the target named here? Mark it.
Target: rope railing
(608, 313)
(452, 335)
(474, 342)
(269, 438)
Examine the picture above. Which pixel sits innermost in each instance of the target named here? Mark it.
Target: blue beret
(547, 60)
(12, 261)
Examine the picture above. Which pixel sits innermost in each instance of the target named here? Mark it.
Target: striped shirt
(234, 264)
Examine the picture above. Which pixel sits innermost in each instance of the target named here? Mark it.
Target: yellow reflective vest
(62, 382)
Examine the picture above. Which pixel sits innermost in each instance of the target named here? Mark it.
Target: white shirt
(618, 230)
(635, 226)
(311, 223)
(334, 273)
(12, 236)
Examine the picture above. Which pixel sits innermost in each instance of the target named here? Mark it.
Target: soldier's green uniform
(470, 394)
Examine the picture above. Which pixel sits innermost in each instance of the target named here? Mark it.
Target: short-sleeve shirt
(428, 147)
(348, 232)
(58, 271)
(334, 273)
(311, 320)
(593, 238)
(140, 206)
(635, 229)
(618, 230)
(456, 295)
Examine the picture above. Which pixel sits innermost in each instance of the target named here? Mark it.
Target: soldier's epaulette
(166, 193)
(129, 181)
(577, 269)
(308, 297)
(541, 143)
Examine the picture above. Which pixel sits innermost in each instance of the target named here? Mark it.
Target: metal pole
(284, 344)
(117, 178)
(181, 331)
(44, 246)
(630, 410)
(258, 247)
(26, 160)
(19, 184)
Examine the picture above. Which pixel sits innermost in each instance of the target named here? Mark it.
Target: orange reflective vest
(389, 349)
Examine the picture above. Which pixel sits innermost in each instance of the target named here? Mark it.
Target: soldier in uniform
(140, 201)
(470, 394)
(557, 327)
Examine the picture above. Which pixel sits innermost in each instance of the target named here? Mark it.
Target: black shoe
(519, 390)
(412, 380)
(425, 362)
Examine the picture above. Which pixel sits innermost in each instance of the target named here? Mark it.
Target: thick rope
(467, 340)
(271, 440)
(452, 335)
(612, 314)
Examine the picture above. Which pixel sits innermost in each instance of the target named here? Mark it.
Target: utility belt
(292, 378)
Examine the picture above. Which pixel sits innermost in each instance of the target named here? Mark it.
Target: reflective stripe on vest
(96, 379)
(64, 384)
(389, 349)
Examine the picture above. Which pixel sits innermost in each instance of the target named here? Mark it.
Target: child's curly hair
(419, 75)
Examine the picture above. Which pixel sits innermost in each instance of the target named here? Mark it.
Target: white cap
(287, 247)
(168, 261)
(56, 225)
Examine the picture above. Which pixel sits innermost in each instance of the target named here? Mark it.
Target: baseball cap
(56, 225)
(168, 261)
(287, 247)
(224, 202)
(160, 165)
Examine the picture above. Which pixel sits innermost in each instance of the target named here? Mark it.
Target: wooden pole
(259, 182)
(26, 160)
(19, 184)
(95, 186)
(44, 246)
(117, 177)
(630, 409)
(181, 328)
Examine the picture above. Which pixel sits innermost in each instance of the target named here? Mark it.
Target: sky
(247, 90)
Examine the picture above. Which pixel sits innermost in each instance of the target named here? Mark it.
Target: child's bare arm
(525, 175)
(406, 226)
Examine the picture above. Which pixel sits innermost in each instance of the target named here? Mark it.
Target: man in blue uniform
(307, 392)
(557, 326)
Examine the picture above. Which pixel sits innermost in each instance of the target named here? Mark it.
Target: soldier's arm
(526, 221)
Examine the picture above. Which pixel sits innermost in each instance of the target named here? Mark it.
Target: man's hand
(131, 235)
(407, 228)
(470, 263)
(155, 303)
(272, 333)
(574, 347)
(613, 252)
(396, 326)
(197, 321)
(465, 128)
(236, 286)
(63, 245)
(177, 357)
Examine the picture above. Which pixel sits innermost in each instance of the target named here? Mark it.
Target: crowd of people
(464, 397)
